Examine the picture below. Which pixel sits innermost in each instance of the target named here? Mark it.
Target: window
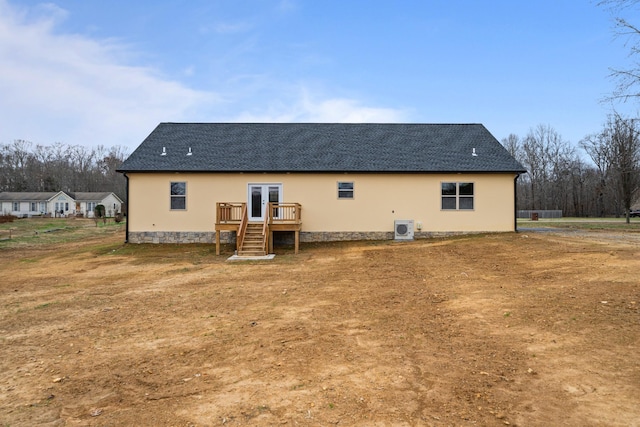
(457, 195)
(34, 206)
(178, 195)
(91, 206)
(345, 190)
(16, 206)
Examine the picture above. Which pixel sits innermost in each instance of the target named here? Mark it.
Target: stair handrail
(265, 227)
(242, 228)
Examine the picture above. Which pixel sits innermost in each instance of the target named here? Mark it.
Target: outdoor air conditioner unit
(403, 229)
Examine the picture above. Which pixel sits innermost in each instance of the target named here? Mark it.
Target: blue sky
(88, 72)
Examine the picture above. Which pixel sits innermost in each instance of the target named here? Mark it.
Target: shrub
(7, 218)
(99, 211)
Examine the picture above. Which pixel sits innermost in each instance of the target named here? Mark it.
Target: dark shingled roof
(320, 147)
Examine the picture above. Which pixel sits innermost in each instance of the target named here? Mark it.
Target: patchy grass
(38, 231)
(618, 224)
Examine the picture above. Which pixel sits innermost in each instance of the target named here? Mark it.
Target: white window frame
(173, 197)
(461, 197)
(346, 190)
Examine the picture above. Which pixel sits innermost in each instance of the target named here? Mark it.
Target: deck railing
(242, 228)
(278, 217)
(278, 213)
(265, 228)
(285, 213)
(229, 213)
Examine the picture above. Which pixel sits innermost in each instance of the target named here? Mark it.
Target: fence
(530, 214)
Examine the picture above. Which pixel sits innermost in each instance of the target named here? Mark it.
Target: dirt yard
(527, 329)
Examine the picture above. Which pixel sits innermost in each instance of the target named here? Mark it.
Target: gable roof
(15, 196)
(93, 196)
(320, 147)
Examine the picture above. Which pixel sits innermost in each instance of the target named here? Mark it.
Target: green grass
(618, 224)
(38, 231)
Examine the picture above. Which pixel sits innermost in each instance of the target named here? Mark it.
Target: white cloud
(308, 108)
(69, 88)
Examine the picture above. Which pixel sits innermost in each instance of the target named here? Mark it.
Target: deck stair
(253, 243)
(256, 238)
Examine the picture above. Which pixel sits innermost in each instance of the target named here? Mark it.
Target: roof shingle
(320, 147)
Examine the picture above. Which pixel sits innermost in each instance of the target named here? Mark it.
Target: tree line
(600, 177)
(559, 177)
(39, 168)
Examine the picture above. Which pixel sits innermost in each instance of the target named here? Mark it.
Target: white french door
(260, 195)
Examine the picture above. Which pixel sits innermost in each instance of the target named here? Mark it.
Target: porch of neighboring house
(256, 238)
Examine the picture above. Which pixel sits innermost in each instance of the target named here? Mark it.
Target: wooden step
(253, 244)
(251, 253)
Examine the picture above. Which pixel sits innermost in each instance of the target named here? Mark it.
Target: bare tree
(625, 147)
(513, 145)
(548, 159)
(60, 167)
(598, 149)
(616, 154)
(628, 78)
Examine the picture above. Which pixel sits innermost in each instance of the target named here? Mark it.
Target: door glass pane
(256, 202)
(274, 197)
(274, 194)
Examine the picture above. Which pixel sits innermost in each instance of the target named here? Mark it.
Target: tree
(628, 79)
(549, 160)
(616, 153)
(597, 147)
(625, 145)
(60, 167)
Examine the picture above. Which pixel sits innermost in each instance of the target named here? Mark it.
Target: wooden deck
(278, 217)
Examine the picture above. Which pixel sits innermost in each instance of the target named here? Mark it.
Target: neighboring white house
(28, 204)
(86, 202)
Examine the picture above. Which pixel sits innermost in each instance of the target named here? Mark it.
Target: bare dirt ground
(527, 329)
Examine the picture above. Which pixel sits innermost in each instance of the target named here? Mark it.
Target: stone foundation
(281, 237)
(339, 236)
(368, 235)
(172, 237)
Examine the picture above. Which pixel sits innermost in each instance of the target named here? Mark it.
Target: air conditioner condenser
(403, 229)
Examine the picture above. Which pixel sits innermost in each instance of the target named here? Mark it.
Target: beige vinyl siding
(379, 200)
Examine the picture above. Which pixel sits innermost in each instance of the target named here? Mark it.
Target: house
(28, 204)
(86, 202)
(193, 182)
